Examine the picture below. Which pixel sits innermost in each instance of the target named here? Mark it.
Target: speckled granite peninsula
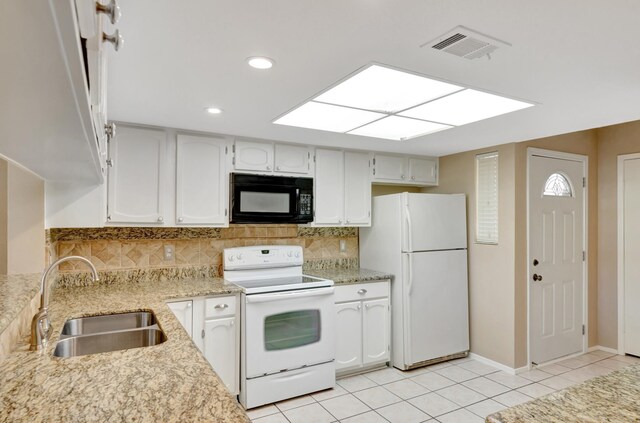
(341, 276)
(170, 382)
(613, 398)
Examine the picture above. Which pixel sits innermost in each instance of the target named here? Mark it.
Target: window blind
(487, 198)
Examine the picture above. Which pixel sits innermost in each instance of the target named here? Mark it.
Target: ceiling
(577, 59)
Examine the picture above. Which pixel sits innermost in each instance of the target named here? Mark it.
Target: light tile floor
(458, 391)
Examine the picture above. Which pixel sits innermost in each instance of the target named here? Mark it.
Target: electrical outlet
(343, 246)
(168, 252)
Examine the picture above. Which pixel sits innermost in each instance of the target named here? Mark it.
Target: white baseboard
(601, 348)
(500, 366)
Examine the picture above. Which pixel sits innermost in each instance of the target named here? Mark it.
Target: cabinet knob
(340, 222)
(401, 176)
(231, 323)
(221, 306)
(413, 178)
(160, 219)
(359, 306)
(188, 305)
(362, 291)
(112, 10)
(366, 306)
(277, 167)
(180, 219)
(268, 167)
(115, 39)
(347, 221)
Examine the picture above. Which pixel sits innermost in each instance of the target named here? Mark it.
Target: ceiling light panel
(327, 117)
(465, 107)
(398, 128)
(387, 90)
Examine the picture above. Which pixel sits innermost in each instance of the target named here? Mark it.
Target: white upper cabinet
(136, 176)
(342, 192)
(201, 181)
(292, 159)
(405, 170)
(253, 156)
(266, 157)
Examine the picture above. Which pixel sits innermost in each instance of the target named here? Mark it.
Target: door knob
(535, 262)
(537, 277)
(115, 39)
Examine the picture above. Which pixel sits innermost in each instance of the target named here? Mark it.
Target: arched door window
(557, 185)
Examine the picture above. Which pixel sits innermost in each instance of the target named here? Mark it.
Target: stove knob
(239, 256)
(231, 257)
(290, 253)
(297, 254)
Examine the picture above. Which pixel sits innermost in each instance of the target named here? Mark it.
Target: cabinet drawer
(220, 306)
(361, 291)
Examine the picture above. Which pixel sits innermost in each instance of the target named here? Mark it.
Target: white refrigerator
(422, 240)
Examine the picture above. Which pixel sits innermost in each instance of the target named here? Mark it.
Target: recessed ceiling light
(398, 128)
(386, 90)
(327, 117)
(259, 62)
(213, 110)
(465, 107)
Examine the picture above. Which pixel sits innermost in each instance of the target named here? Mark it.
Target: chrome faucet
(41, 324)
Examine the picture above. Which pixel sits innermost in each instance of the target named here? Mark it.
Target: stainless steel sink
(108, 332)
(108, 323)
(109, 341)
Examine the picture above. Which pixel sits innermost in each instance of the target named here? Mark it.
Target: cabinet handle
(160, 219)
(180, 219)
(362, 291)
(115, 39)
(112, 10)
(221, 306)
(202, 333)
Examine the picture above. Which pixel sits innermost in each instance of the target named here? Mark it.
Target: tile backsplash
(197, 251)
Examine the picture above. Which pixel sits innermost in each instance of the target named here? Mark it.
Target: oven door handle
(279, 296)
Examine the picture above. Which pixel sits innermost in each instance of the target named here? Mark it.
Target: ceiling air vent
(464, 42)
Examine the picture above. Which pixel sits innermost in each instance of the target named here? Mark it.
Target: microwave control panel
(305, 204)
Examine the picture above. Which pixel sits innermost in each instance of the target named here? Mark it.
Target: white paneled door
(556, 266)
(629, 168)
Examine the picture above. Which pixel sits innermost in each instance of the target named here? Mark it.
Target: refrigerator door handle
(407, 310)
(407, 215)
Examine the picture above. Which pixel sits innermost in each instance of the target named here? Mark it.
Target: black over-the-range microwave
(270, 199)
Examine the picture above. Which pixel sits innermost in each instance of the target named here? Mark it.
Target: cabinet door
(255, 156)
(184, 313)
(357, 189)
(292, 159)
(348, 335)
(375, 323)
(423, 171)
(390, 168)
(221, 350)
(329, 187)
(201, 181)
(136, 178)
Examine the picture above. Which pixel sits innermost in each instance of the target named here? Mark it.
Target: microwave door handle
(279, 296)
(297, 211)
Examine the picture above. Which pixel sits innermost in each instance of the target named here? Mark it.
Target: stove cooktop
(288, 283)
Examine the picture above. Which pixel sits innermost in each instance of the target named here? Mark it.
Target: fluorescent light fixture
(386, 90)
(259, 62)
(213, 110)
(465, 107)
(398, 128)
(387, 103)
(327, 117)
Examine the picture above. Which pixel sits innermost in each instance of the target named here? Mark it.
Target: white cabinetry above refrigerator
(405, 170)
(267, 158)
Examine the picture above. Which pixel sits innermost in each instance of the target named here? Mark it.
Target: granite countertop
(609, 398)
(349, 276)
(169, 382)
(16, 292)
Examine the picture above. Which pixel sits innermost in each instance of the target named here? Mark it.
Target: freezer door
(434, 222)
(436, 306)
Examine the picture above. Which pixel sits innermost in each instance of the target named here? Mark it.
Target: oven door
(288, 330)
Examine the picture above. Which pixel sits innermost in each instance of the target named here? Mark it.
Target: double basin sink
(108, 332)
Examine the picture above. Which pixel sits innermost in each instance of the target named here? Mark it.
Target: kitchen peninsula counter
(169, 382)
(346, 276)
(610, 398)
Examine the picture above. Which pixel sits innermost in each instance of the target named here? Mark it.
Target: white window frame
(487, 198)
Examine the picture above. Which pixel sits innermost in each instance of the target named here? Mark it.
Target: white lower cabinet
(215, 330)
(362, 326)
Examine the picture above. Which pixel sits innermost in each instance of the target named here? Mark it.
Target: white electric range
(287, 324)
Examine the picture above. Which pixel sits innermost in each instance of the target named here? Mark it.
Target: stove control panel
(260, 256)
